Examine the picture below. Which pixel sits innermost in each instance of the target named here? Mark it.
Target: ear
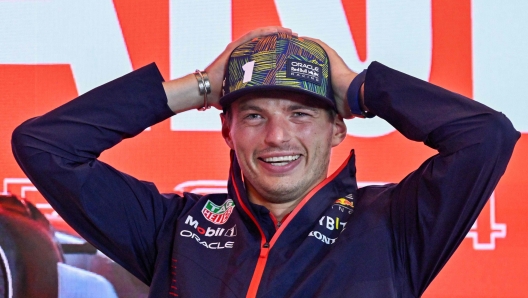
(340, 131)
(226, 131)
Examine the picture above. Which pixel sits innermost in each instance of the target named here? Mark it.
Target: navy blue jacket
(340, 241)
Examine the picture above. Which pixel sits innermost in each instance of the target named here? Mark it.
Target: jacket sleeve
(58, 152)
(433, 208)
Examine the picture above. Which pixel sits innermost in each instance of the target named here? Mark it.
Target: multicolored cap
(278, 62)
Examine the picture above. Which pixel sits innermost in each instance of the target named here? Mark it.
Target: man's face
(282, 143)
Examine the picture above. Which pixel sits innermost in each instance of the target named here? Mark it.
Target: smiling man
(282, 145)
(285, 228)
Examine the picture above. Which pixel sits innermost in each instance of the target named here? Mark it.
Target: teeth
(282, 160)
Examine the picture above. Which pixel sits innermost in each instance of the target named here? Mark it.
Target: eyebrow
(292, 107)
(296, 106)
(246, 107)
(301, 107)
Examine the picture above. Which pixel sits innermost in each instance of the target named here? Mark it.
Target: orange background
(169, 158)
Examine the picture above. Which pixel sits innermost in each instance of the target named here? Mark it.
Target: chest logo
(218, 214)
(344, 205)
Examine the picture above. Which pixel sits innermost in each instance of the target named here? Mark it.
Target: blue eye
(299, 114)
(253, 116)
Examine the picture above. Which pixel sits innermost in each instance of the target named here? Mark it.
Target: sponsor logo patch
(332, 223)
(218, 214)
(344, 205)
(210, 232)
(319, 236)
(302, 70)
(209, 245)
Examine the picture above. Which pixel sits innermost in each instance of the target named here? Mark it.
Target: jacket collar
(340, 184)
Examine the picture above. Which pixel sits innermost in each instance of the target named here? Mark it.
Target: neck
(278, 209)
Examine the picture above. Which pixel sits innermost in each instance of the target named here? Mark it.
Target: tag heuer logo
(218, 214)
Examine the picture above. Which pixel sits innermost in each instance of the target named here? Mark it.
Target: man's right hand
(182, 93)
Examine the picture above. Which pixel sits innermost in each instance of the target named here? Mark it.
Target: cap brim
(229, 98)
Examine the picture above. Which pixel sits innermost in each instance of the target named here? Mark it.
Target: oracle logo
(305, 65)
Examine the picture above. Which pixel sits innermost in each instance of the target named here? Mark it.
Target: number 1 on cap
(248, 71)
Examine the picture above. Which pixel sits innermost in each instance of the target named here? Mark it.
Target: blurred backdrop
(52, 51)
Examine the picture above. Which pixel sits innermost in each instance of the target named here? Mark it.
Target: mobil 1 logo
(223, 237)
(210, 232)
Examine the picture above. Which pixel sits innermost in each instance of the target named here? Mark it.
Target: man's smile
(280, 160)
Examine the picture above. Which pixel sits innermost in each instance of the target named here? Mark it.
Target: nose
(278, 131)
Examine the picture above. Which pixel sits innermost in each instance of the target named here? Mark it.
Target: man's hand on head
(217, 68)
(183, 93)
(341, 76)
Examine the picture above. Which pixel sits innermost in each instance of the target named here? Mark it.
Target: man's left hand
(341, 76)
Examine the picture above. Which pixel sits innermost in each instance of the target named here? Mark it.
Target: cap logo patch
(302, 70)
(248, 71)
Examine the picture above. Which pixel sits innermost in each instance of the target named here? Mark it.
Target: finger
(268, 31)
(263, 31)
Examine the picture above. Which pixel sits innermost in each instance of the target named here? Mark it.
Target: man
(284, 229)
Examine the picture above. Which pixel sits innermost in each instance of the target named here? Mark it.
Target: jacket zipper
(265, 245)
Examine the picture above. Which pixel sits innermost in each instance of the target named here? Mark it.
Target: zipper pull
(264, 251)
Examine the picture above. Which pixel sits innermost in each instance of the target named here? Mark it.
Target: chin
(282, 192)
(284, 189)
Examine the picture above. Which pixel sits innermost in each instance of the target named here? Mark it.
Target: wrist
(341, 95)
(355, 97)
(216, 77)
(204, 87)
(183, 94)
